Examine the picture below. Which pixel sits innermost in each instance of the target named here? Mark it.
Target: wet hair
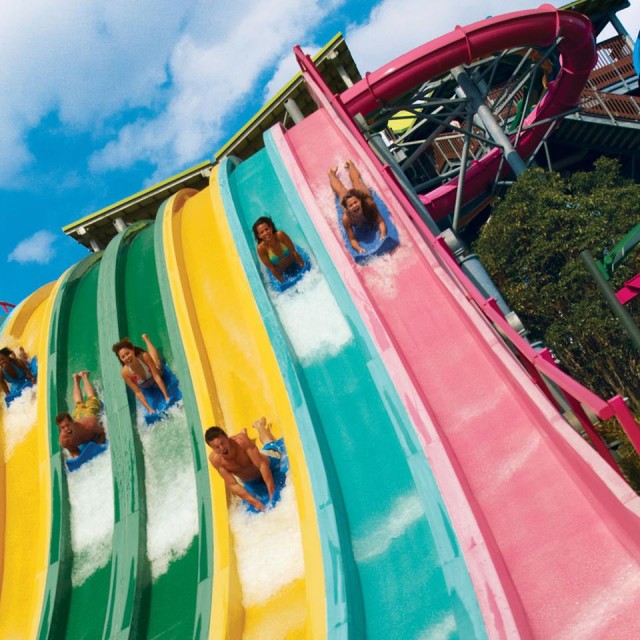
(5, 351)
(258, 222)
(125, 343)
(214, 432)
(61, 417)
(369, 211)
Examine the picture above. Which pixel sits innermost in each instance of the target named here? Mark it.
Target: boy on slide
(253, 475)
(83, 426)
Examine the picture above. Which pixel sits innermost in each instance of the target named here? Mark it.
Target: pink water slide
(538, 28)
(550, 532)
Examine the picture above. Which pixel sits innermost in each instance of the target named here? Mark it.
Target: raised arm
(157, 376)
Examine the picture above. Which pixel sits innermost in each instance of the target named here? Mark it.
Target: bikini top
(275, 259)
(148, 380)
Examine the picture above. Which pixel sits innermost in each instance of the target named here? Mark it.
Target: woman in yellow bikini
(276, 250)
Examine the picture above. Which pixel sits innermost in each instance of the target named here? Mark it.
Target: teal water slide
(405, 575)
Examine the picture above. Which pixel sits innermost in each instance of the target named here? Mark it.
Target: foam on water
(172, 507)
(311, 318)
(268, 547)
(443, 629)
(381, 272)
(381, 533)
(92, 516)
(19, 418)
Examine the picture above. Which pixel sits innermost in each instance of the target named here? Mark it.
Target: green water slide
(73, 346)
(384, 493)
(161, 570)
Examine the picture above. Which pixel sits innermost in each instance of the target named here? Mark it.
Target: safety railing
(542, 369)
(610, 105)
(614, 64)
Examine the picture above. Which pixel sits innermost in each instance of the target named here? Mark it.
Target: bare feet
(76, 376)
(264, 430)
(84, 374)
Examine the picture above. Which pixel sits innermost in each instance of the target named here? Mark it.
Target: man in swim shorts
(254, 476)
(83, 425)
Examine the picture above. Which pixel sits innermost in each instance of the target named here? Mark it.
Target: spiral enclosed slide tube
(536, 28)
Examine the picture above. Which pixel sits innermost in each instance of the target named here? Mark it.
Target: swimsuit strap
(145, 369)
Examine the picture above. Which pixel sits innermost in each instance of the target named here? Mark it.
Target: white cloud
(83, 60)
(397, 26)
(210, 79)
(163, 79)
(37, 248)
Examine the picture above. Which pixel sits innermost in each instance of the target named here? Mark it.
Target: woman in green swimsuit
(275, 249)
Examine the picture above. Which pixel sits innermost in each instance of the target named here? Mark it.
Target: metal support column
(470, 90)
(610, 296)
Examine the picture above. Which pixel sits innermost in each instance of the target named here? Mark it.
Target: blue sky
(102, 98)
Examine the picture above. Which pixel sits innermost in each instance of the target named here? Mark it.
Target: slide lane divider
(25, 494)
(169, 560)
(227, 615)
(129, 568)
(166, 269)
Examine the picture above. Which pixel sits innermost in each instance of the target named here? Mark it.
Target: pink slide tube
(535, 28)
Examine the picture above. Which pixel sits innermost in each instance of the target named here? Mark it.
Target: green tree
(531, 247)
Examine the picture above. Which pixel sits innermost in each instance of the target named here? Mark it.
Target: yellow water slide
(25, 499)
(237, 379)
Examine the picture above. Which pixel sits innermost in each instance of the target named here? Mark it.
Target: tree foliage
(531, 247)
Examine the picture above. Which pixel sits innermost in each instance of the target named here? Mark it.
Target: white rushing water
(268, 547)
(19, 419)
(172, 507)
